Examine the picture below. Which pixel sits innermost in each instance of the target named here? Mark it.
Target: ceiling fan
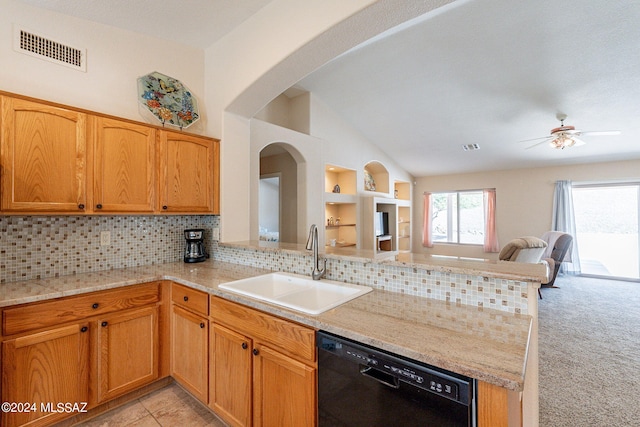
(567, 136)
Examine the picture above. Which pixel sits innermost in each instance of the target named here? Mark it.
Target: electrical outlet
(105, 238)
(215, 234)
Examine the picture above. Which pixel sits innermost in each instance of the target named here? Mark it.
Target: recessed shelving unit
(344, 178)
(341, 206)
(341, 224)
(402, 190)
(376, 177)
(402, 194)
(404, 227)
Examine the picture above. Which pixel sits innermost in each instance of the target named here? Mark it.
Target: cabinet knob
(81, 206)
(245, 346)
(84, 329)
(255, 352)
(201, 325)
(95, 305)
(165, 207)
(104, 324)
(185, 298)
(98, 206)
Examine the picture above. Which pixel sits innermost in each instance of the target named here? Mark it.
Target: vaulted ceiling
(486, 72)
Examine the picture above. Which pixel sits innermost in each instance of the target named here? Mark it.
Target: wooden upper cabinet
(43, 157)
(124, 162)
(188, 181)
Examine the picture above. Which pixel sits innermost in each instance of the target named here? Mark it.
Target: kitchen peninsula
(491, 345)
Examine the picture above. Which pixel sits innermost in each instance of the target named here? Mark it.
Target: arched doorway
(278, 179)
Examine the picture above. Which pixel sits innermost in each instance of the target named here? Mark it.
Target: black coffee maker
(194, 250)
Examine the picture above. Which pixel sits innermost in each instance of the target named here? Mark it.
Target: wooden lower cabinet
(45, 368)
(82, 360)
(127, 352)
(190, 351)
(230, 375)
(284, 390)
(263, 368)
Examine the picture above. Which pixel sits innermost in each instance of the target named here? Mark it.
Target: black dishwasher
(360, 385)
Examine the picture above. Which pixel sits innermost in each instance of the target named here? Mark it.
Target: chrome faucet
(312, 244)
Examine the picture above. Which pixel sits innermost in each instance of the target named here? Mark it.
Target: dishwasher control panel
(400, 369)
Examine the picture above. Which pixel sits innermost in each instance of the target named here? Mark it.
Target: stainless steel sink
(297, 292)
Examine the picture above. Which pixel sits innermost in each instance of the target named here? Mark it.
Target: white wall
(115, 59)
(345, 146)
(267, 54)
(524, 198)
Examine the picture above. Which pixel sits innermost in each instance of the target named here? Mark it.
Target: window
(458, 217)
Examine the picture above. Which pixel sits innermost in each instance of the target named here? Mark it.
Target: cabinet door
(230, 382)
(45, 368)
(285, 390)
(127, 352)
(190, 351)
(43, 157)
(124, 161)
(187, 182)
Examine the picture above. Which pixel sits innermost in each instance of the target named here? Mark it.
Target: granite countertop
(485, 344)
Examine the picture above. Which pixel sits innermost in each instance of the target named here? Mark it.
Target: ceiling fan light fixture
(561, 141)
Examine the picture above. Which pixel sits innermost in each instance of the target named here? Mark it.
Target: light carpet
(589, 343)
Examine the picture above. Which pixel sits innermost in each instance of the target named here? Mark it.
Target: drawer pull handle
(84, 329)
(80, 206)
(185, 298)
(165, 207)
(245, 346)
(255, 352)
(104, 324)
(95, 305)
(98, 206)
(201, 325)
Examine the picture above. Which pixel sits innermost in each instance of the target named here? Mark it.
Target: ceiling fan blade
(536, 139)
(578, 142)
(600, 132)
(535, 145)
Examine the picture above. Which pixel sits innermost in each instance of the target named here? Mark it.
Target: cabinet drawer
(289, 337)
(190, 299)
(33, 316)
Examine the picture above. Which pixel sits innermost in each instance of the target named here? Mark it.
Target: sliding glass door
(607, 223)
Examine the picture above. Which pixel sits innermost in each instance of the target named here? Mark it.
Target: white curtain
(564, 220)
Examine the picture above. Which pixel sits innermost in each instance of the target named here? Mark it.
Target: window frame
(457, 216)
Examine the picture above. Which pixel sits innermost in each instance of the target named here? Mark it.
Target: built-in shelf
(339, 180)
(376, 177)
(345, 233)
(404, 225)
(402, 190)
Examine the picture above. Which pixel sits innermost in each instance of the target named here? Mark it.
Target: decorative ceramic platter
(168, 99)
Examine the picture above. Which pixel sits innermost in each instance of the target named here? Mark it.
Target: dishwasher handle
(381, 377)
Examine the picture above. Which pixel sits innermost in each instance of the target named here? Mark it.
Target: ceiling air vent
(470, 147)
(32, 44)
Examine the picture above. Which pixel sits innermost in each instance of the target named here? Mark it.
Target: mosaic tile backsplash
(500, 294)
(34, 247)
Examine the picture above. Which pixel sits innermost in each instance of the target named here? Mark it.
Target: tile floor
(168, 407)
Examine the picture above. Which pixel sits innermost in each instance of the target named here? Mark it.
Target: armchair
(558, 251)
(523, 249)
